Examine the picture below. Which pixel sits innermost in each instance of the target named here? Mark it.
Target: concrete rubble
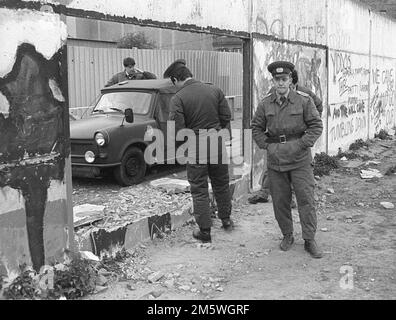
(387, 205)
(370, 173)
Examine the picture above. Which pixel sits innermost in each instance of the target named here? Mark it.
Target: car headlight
(100, 139)
(89, 156)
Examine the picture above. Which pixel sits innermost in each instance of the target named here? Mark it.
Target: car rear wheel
(132, 169)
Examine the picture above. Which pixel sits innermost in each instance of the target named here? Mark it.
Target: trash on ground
(370, 173)
(387, 205)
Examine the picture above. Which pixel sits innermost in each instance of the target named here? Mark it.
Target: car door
(161, 117)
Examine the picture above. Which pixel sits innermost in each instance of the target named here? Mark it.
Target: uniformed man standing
(287, 124)
(263, 194)
(198, 106)
(130, 73)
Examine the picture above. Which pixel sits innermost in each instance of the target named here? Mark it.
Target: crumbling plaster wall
(34, 139)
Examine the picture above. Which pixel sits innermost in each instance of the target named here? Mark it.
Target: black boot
(258, 198)
(228, 224)
(287, 242)
(313, 249)
(202, 235)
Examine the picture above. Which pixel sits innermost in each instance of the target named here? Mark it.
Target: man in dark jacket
(130, 73)
(287, 124)
(200, 107)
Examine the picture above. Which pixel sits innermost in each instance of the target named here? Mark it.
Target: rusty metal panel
(89, 69)
(310, 63)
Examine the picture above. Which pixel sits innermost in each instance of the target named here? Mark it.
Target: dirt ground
(357, 235)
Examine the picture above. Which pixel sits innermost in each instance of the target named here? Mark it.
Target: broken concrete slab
(330, 190)
(154, 277)
(88, 255)
(87, 213)
(351, 163)
(387, 205)
(370, 173)
(171, 186)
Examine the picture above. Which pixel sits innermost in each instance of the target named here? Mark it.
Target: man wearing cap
(130, 73)
(263, 194)
(199, 106)
(287, 124)
(317, 101)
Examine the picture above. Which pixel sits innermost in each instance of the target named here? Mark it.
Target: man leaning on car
(130, 73)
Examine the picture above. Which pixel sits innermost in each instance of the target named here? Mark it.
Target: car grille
(79, 147)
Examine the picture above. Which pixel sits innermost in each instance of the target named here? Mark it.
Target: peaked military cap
(280, 67)
(170, 71)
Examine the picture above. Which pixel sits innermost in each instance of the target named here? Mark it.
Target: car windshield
(139, 102)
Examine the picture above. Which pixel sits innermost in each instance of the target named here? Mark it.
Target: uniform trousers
(303, 182)
(197, 175)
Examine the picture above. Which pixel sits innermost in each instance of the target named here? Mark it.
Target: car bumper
(90, 170)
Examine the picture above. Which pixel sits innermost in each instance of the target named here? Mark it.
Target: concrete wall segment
(220, 14)
(295, 20)
(383, 36)
(349, 26)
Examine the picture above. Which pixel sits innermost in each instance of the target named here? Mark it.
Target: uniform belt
(283, 138)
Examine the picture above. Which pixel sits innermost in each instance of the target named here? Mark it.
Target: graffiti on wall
(33, 136)
(348, 94)
(382, 104)
(311, 33)
(309, 62)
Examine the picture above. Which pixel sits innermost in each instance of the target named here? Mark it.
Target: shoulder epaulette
(302, 93)
(267, 95)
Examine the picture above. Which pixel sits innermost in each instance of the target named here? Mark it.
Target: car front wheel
(132, 169)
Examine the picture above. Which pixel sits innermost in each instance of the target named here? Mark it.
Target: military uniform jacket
(296, 116)
(318, 103)
(122, 76)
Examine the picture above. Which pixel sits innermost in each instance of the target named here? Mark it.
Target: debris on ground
(352, 164)
(125, 206)
(156, 293)
(383, 135)
(171, 186)
(154, 277)
(359, 143)
(87, 214)
(372, 162)
(77, 278)
(324, 164)
(391, 171)
(370, 173)
(88, 255)
(387, 205)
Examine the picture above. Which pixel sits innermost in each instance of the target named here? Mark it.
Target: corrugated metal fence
(90, 68)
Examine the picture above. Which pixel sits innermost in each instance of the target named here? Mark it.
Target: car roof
(162, 85)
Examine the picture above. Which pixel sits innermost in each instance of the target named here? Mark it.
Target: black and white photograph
(195, 157)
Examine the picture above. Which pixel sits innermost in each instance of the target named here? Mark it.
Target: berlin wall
(34, 140)
(344, 53)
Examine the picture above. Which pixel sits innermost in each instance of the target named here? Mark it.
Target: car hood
(86, 128)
